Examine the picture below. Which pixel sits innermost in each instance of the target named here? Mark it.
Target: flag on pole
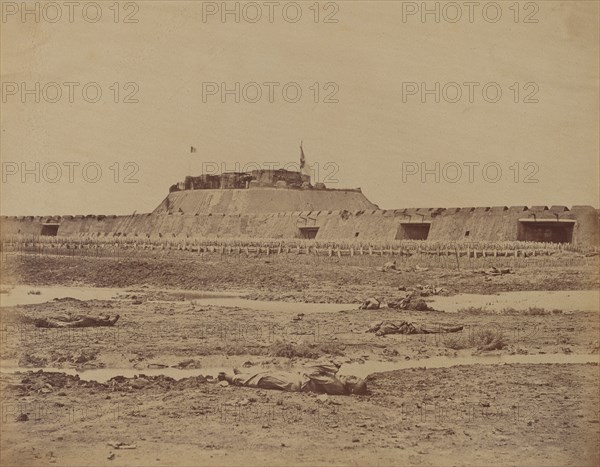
(193, 149)
(302, 158)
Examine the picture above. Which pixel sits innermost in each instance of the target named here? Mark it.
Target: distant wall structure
(260, 201)
(283, 204)
(279, 178)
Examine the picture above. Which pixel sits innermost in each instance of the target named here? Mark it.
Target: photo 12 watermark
(467, 413)
(474, 335)
(453, 92)
(231, 412)
(70, 12)
(30, 333)
(270, 92)
(90, 92)
(428, 12)
(319, 172)
(68, 172)
(43, 411)
(251, 411)
(270, 12)
(248, 332)
(469, 172)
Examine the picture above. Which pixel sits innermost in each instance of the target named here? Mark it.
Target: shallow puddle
(365, 369)
(566, 300)
(32, 294)
(577, 300)
(21, 295)
(274, 306)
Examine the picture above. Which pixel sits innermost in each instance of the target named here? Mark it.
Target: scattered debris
(120, 445)
(425, 290)
(190, 364)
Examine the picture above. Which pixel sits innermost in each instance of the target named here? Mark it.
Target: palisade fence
(406, 253)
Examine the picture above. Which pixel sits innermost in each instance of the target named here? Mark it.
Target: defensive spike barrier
(452, 255)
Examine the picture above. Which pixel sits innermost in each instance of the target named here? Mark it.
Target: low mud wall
(502, 223)
(471, 224)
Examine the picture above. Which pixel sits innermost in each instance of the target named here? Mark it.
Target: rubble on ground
(44, 382)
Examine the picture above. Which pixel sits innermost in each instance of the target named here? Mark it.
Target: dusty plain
(503, 413)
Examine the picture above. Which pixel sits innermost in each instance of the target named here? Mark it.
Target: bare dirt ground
(283, 278)
(505, 414)
(482, 415)
(171, 332)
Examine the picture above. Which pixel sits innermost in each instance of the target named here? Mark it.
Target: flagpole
(192, 151)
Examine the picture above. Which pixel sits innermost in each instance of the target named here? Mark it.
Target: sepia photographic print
(300, 233)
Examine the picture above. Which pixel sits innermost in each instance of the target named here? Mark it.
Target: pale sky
(370, 133)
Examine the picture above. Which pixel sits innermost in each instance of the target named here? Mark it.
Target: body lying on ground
(410, 303)
(319, 378)
(381, 328)
(370, 304)
(78, 321)
(390, 266)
